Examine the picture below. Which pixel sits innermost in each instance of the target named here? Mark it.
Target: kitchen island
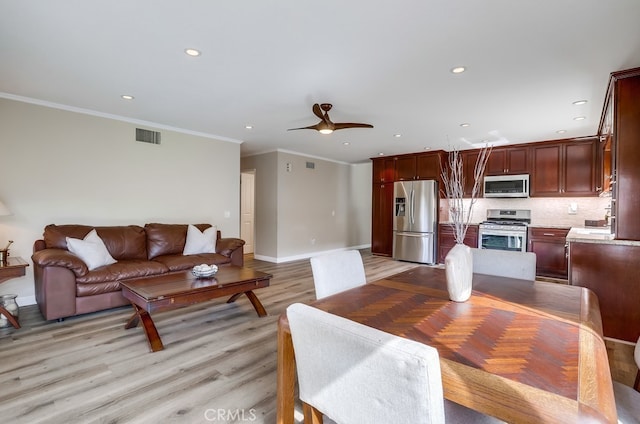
(610, 268)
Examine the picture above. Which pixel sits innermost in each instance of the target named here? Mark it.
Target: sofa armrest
(60, 258)
(231, 248)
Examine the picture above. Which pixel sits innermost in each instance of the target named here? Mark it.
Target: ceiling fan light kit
(325, 126)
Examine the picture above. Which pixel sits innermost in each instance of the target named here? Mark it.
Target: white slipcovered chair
(628, 399)
(356, 374)
(504, 263)
(336, 272)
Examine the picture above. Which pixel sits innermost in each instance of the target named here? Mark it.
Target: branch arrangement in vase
(453, 180)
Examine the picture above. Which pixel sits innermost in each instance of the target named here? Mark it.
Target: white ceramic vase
(458, 265)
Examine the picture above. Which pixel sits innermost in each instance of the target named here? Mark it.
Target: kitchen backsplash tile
(545, 211)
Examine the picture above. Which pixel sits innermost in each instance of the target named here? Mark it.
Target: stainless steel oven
(504, 230)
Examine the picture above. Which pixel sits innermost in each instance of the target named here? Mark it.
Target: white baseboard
(26, 300)
(305, 255)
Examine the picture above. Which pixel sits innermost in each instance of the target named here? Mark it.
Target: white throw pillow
(91, 250)
(200, 242)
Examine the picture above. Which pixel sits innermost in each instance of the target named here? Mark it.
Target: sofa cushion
(180, 262)
(121, 270)
(123, 242)
(167, 239)
(55, 235)
(200, 241)
(91, 250)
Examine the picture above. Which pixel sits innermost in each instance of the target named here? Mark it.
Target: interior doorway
(247, 210)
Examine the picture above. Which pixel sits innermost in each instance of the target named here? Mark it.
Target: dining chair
(353, 373)
(336, 272)
(504, 263)
(628, 398)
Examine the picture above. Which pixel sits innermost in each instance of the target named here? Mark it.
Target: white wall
(315, 210)
(64, 167)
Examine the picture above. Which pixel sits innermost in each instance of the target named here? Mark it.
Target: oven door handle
(502, 233)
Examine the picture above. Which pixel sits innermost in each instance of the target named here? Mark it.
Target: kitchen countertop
(597, 235)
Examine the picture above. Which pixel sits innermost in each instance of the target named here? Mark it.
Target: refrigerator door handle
(414, 234)
(411, 203)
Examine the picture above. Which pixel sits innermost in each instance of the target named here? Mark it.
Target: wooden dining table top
(522, 351)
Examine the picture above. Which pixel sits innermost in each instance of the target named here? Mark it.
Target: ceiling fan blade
(310, 127)
(344, 125)
(317, 111)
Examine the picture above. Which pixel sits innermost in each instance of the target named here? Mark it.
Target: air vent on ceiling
(147, 136)
(311, 165)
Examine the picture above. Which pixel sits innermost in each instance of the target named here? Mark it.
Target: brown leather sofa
(64, 285)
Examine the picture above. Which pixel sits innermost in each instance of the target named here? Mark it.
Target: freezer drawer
(414, 247)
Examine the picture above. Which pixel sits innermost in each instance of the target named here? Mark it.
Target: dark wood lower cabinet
(550, 247)
(382, 219)
(446, 239)
(612, 272)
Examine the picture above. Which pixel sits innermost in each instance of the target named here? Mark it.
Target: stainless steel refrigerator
(415, 221)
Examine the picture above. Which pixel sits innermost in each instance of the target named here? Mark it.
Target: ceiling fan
(325, 126)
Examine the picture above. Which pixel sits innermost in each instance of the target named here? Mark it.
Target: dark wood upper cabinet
(429, 166)
(383, 170)
(566, 168)
(405, 168)
(469, 158)
(624, 131)
(508, 161)
(419, 166)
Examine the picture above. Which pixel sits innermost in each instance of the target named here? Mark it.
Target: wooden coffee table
(171, 291)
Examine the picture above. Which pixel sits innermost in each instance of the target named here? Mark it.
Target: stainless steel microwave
(506, 185)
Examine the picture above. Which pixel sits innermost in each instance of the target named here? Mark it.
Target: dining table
(518, 350)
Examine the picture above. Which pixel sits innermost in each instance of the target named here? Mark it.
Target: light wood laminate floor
(218, 365)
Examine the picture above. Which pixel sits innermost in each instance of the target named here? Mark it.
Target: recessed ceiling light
(458, 69)
(579, 102)
(380, 154)
(579, 118)
(127, 97)
(192, 52)
(397, 135)
(427, 148)
(561, 131)
(345, 143)
(465, 125)
(248, 127)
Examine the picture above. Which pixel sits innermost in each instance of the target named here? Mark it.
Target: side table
(14, 267)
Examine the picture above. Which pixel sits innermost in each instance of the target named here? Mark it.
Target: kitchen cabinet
(419, 166)
(469, 158)
(564, 169)
(446, 239)
(382, 219)
(611, 272)
(383, 170)
(620, 123)
(550, 247)
(508, 161)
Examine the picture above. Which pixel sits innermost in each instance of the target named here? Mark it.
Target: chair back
(357, 374)
(504, 263)
(336, 272)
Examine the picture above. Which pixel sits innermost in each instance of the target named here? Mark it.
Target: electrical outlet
(573, 208)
